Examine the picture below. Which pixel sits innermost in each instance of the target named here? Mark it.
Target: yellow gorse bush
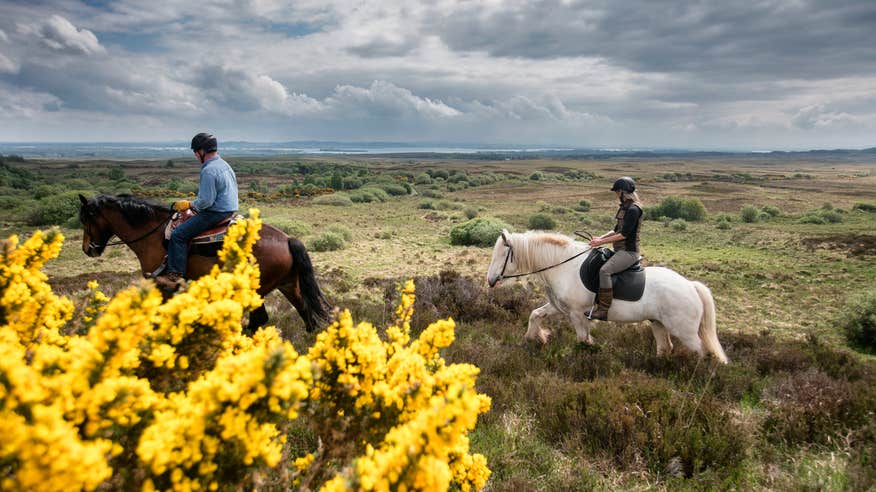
(132, 393)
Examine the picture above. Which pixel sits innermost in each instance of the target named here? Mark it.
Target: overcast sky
(770, 74)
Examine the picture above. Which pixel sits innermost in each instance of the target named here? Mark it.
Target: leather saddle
(212, 235)
(628, 285)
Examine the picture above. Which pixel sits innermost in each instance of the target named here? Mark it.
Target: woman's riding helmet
(205, 142)
(625, 184)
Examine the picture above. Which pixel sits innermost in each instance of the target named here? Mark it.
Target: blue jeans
(178, 249)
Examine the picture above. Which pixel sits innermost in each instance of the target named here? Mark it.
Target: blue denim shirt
(217, 190)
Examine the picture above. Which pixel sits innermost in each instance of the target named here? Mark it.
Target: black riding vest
(631, 240)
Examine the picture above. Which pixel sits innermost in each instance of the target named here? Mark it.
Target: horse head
(503, 259)
(97, 230)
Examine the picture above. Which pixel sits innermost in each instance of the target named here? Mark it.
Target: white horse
(675, 305)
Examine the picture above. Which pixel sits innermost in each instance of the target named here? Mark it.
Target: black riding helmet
(205, 142)
(625, 184)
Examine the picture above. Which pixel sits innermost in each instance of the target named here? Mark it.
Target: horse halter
(510, 257)
(94, 246)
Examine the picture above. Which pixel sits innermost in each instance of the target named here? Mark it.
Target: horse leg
(293, 294)
(686, 329)
(257, 318)
(535, 331)
(661, 337)
(582, 327)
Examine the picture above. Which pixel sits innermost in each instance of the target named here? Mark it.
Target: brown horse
(139, 224)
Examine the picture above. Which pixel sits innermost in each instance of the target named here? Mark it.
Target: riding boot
(603, 304)
(169, 282)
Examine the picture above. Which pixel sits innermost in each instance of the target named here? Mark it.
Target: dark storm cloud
(763, 39)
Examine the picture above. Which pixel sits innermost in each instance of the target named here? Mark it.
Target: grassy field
(794, 410)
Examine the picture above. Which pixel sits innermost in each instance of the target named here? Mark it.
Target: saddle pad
(628, 285)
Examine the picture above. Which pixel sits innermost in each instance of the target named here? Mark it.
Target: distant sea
(170, 150)
(156, 150)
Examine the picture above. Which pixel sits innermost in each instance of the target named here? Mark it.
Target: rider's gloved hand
(181, 205)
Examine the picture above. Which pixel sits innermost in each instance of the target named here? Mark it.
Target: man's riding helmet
(205, 142)
(625, 184)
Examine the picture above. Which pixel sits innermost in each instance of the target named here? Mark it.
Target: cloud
(3, 36)
(819, 116)
(60, 34)
(385, 100)
(7, 65)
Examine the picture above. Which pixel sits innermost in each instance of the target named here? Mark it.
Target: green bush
(423, 179)
(470, 212)
(426, 205)
(690, 209)
(772, 211)
(679, 225)
(480, 231)
(294, 228)
(392, 188)
(429, 193)
(536, 176)
(334, 200)
(341, 230)
(857, 320)
(865, 207)
(542, 222)
(749, 214)
(327, 241)
(583, 206)
(55, 209)
(368, 195)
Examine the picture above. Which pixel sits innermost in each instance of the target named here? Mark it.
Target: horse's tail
(315, 310)
(708, 331)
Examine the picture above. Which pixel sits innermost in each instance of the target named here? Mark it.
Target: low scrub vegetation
(480, 231)
(674, 207)
(857, 320)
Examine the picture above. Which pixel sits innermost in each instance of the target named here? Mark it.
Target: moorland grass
(792, 411)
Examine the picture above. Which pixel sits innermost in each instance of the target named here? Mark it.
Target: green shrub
(723, 224)
(341, 230)
(294, 228)
(812, 218)
(326, 241)
(334, 200)
(423, 179)
(865, 207)
(857, 319)
(772, 211)
(542, 222)
(55, 209)
(392, 188)
(480, 231)
(429, 193)
(536, 176)
(690, 209)
(426, 205)
(679, 225)
(470, 212)
(368, 195)
(583, 206)
(749, 214)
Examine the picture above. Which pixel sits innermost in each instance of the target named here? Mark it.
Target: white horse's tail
(708, 331)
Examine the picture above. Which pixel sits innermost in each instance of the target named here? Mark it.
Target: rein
(144, 236)
(510, 256)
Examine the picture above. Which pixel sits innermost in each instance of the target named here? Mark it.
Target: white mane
(534, 250)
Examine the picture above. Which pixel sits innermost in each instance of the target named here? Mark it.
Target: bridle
(509, 257)
(95, 246)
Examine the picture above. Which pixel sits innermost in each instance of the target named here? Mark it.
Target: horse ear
(83, 199)
(505, 236)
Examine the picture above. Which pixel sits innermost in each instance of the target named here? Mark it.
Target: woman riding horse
(624, 238)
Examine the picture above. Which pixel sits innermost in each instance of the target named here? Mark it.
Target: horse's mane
(134, 210)
(537, 249)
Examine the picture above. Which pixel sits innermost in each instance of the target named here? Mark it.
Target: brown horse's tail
(708, 326)
(315, 312)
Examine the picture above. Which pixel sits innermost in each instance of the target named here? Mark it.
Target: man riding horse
(216, 201)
